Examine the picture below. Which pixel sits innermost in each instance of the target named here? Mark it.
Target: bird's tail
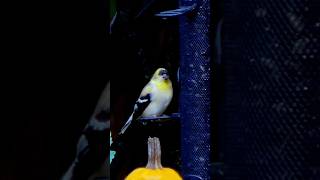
(124, 128)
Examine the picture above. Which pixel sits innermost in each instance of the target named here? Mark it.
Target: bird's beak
(165, 76)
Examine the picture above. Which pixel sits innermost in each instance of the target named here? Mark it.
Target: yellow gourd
(154, 169)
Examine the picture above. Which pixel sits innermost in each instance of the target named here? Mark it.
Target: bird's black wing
(139, 107)
(141, 104)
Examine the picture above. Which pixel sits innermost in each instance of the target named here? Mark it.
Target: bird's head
(161, 74)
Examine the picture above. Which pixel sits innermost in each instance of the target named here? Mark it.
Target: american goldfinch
(154, 98)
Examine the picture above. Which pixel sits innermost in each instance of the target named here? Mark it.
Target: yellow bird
(154, 98)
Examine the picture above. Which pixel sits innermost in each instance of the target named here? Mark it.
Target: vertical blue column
(195, 97)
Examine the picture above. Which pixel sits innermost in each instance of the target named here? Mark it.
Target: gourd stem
(154, 153)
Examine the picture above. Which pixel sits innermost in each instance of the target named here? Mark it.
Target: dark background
(54, 69)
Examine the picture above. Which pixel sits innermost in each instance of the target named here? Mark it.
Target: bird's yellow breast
(163, 85)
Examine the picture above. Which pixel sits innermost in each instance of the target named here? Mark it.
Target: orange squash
(154, 169)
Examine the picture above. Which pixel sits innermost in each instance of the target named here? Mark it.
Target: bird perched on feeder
(154, 98)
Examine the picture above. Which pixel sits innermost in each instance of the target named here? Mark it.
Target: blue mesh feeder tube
(195, 95)
(272, 74)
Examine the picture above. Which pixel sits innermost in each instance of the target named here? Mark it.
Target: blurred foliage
(112, 8)
(112, 153)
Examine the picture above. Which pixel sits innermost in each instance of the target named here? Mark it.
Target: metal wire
(271, 54)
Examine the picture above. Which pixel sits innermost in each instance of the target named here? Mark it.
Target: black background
(54, 67)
